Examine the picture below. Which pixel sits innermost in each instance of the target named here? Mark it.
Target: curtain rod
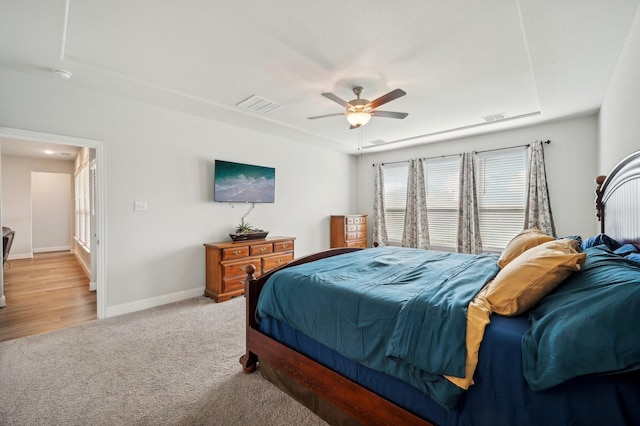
(453, 155)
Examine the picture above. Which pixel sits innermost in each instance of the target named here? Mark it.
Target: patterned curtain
(538, 209)
(416, 228)
(469, 240)
(379, 234)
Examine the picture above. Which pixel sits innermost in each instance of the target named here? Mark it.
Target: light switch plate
(139, 206)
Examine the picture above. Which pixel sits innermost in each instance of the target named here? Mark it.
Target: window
(443, 187)
(501, 190)
(83, 206)
(442, 180)
(395, 199)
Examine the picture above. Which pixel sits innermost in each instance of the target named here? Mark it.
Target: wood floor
(48, 292)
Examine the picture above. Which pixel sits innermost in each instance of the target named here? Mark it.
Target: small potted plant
(244, 231)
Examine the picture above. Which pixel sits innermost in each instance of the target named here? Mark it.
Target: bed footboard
(253, 287)
(362, 405)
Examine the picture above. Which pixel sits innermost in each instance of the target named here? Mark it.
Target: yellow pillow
(521, 243)
(532, 275)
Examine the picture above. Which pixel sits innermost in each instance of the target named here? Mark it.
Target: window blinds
(501, 187)
(443, 183)
(501, 190)
(395, 200)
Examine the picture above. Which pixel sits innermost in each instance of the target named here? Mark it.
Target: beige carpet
(172, 365)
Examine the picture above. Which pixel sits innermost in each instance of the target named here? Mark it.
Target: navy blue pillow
(633, 256)
(626, 249)
(599, 240)
(578, 238)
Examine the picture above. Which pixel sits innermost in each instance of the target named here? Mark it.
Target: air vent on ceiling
(494, 117)
(258, 104)
(377, 142)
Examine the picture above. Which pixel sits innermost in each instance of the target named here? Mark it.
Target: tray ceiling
(458, 61)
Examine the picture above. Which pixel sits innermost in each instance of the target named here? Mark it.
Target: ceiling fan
(359, 111)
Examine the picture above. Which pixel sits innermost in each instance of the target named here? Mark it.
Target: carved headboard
(618, 201)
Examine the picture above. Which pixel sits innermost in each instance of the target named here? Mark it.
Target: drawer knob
(236, 252)
(285, 245)
(263, 249)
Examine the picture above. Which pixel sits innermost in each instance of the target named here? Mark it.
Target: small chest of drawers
(349, 231)
(226, 263)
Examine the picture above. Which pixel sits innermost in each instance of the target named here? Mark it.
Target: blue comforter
(588, 325)
(395, 310)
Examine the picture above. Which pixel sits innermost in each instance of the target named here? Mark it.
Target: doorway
(98, 240)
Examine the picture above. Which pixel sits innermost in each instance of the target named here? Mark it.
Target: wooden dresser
(226, 262)
(349, 231)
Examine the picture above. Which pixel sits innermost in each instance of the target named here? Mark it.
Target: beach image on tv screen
(244, 183)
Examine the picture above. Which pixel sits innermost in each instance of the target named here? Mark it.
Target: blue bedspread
(395, 310)
(588, 325)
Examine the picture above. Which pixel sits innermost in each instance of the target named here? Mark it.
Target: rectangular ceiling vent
(378, 142)
(258, 104)
(494, 117)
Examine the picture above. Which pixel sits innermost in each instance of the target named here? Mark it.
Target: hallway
(48, 292)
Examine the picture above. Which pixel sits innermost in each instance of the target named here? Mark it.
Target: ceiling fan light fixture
(359, 111)
(358, 118)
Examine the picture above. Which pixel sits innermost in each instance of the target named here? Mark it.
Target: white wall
(620, 112)
(52, 211)
(570, 163)
(16, 198)
(165, 158)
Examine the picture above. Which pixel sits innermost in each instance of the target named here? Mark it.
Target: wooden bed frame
(620, 193)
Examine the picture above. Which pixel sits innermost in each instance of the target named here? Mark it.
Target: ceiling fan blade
(389, 114)
(324, 116)
(337, 99)
(394, 94)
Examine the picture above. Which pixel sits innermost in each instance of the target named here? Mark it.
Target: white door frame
(101, 226)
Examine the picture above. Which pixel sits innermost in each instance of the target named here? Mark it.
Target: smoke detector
(62, 74)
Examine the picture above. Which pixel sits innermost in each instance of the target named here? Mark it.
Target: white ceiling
(458, 60)
(37, 149)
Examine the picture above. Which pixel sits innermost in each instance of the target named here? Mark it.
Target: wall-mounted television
(243, 183)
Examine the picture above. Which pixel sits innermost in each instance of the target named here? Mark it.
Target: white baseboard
(20, 256)
(86, 268)
(93, 286)
(3, 301)
(48, 249)
(139, 305)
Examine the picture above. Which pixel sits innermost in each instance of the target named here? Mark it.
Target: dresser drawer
(235, 252)
(235, 283)
(355, 220)
(357, 235)
(261, 249)
(270, 262)
(361, 244)
(238, 269)
(283, 246)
